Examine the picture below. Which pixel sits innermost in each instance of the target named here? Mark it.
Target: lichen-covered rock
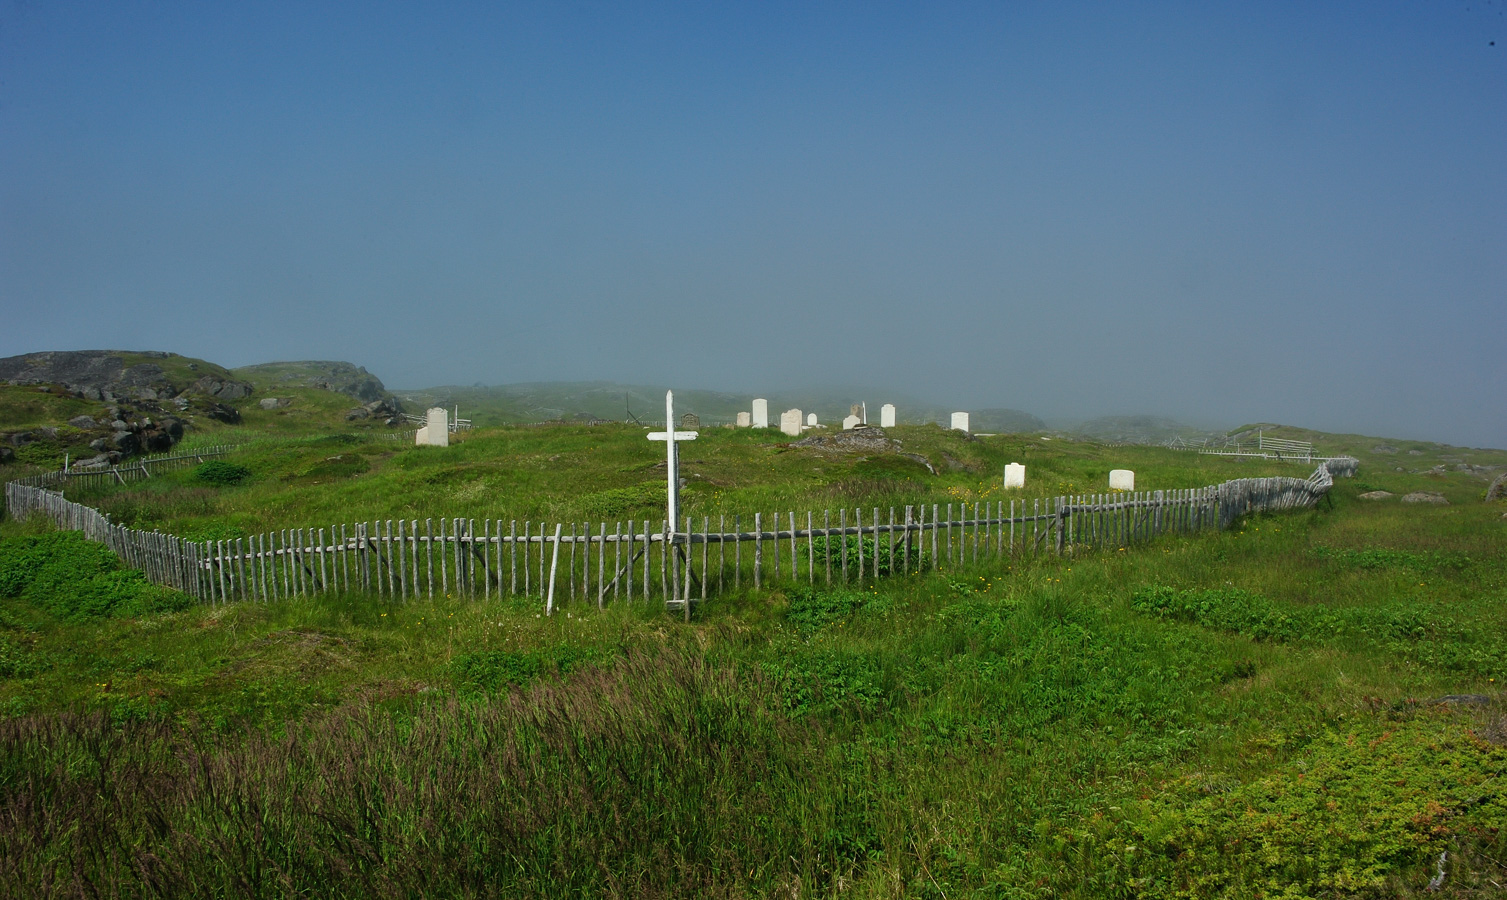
(1433, 497)
(222, 413)
(84, 422)
(221, 388)
(1376, 495)
(1498, 489)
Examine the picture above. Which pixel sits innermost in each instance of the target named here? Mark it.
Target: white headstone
(1015, 476)
(849, 423)
(744, 420)
(960, 421)
(811, 420)
(887, 416)
(436, 430)
(790, 422)
(1121, 480)
(761, 413)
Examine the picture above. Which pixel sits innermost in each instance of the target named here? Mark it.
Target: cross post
(672, 458)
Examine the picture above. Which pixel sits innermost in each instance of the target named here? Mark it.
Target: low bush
(220, 472)
(812, 608)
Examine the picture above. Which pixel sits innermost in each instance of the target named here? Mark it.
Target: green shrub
(76, 579)
(217, 471)
(813, 608)
(892, 560)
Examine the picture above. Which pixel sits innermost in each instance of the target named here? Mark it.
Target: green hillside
(1249, 712)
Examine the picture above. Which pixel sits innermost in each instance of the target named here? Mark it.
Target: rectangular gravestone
(861, 411)
(1015, 476)
(436, 430)
(960, 421)
(790, 422)
(744, 420)
(690, 422)
(1121, 480)
(849, 423)
(761, 413)
(887, 416)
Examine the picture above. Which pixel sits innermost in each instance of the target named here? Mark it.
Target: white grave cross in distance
(672, 457)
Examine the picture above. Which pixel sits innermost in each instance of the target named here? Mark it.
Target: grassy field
(1239, 714)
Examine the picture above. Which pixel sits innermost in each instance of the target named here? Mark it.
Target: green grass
(611, 473)
(1247, 713)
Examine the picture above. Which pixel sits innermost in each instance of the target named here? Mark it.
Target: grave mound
(856, 440)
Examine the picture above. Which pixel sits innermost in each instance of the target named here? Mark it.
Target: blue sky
(1221, 212)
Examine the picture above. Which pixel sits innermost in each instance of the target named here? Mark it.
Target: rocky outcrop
(1498, 489)
(221, 388)
(341, 377)
(111, 376)
(385, 409)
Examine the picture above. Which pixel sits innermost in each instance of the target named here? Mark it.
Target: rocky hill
(119, 375)
(341, 377)
(98, 406)
(277, 380)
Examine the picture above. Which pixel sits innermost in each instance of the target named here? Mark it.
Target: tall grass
(658, 775)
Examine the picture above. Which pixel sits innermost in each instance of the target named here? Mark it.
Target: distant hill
(1002, 421)
(1138, 430)
(341, 377)
(609, 401)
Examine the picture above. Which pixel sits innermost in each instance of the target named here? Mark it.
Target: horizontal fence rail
(647, 560)
(138, 469)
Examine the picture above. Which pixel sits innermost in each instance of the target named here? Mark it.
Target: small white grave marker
(1121, 480)
(744, 420)
(960, 421)
(1015, 476)
(790, 422)
(887, 416)
(672, 457)
(849, 423)
(761, 413)
(811, 420)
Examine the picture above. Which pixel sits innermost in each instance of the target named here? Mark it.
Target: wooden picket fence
(163, 558)
(602, 562)
(138, 469)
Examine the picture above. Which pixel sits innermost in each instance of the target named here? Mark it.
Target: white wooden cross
(672, 457)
